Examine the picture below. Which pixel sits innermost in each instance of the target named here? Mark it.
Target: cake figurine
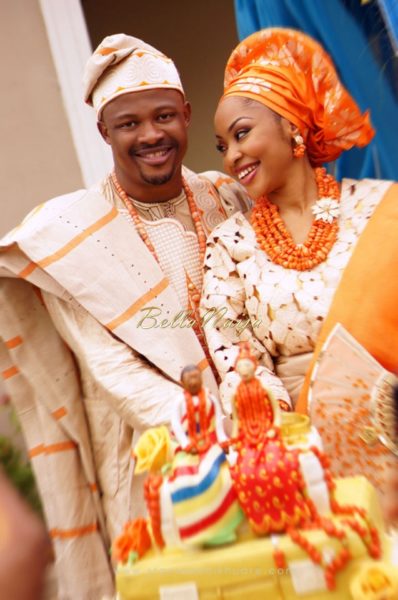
(266, 474)
(264, 496)
(193, 501)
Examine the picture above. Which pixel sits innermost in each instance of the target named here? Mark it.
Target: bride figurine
(266, 475)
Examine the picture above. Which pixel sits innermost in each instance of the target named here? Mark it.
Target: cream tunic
(111, 371)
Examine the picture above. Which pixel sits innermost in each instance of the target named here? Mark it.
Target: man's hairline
(181, 94)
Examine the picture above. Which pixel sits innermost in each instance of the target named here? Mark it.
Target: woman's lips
(247, 173)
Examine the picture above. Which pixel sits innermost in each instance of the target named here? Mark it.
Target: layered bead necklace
(193, 292)
(199, 440)
(254, 411)
(273, 237)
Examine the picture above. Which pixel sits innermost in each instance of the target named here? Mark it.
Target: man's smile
(155, 156)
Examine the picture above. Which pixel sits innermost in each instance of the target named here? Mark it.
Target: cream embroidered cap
(122, 64)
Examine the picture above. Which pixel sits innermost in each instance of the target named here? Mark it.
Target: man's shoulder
(233, 196)
(51, 211)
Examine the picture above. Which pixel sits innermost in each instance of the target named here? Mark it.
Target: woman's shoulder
(361, 187)
(363, 193)
(233, 241)
(234, 229)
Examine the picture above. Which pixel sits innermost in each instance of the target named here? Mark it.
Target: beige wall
(198, 35)
(37, 157)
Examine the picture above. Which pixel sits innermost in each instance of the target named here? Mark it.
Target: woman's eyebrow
(238, 119)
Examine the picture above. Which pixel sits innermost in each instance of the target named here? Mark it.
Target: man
(99, 293)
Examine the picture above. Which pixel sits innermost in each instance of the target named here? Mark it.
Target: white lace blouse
(280, 311)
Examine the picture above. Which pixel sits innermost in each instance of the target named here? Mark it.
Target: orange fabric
(30, 267)
(59, 413)
(75, 532)
(36, 451)
(14, 342)
(366, 301)
(52, 448)
(7, 373)
(292, 74)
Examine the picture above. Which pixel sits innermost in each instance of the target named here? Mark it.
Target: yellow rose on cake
(152, 450)
(375, 581)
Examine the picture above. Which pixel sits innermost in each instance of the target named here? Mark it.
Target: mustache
(147, 148)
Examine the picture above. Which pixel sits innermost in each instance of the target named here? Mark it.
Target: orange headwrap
(290, 73)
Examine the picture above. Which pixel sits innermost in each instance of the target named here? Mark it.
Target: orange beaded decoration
(152, 487)
(193, 292)
(276, 241)
(358, 522)
(133, 543)
(200, 440)
(254, 411)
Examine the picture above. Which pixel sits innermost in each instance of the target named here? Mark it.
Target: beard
(154, 179)
(160, 180)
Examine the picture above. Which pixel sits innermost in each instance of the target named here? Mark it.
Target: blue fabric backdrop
(335, 26)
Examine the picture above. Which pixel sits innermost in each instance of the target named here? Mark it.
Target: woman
(284, 112)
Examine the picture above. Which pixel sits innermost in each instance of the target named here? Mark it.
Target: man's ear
(187, 113)
(102, 128)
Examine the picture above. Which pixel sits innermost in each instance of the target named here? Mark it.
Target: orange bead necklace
(254, 411)
(199, 440)
(276, 241)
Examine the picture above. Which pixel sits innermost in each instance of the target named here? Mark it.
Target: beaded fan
(352, 405)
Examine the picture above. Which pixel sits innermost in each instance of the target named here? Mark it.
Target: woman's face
(256, 144)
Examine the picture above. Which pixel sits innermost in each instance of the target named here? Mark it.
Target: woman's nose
(231, 157)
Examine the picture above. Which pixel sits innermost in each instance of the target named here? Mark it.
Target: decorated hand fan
(353, 407)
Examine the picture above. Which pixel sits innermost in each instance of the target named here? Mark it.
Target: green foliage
(19, 472)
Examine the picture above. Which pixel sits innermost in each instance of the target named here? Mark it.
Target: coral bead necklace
(141, 228)
(276, 241)
(200, 441)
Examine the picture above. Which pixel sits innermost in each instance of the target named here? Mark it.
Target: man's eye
(166, 116)
(241, 133)
(128, 125)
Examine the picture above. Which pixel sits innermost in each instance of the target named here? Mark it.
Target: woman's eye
(241, 133)
(221, 148)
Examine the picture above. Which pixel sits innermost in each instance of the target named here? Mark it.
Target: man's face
(148, 134)
(192, 381)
